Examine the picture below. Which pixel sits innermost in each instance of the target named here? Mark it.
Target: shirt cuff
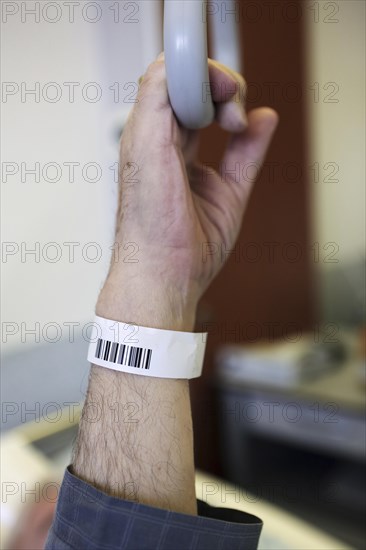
(88, 518)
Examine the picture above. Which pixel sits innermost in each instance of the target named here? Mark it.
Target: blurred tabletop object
(293, 428)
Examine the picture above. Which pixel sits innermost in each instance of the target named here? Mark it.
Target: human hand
(173, 205)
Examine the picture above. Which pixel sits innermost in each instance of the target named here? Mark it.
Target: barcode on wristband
(120, 354)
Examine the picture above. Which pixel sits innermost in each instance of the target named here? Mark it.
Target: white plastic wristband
(146, 351)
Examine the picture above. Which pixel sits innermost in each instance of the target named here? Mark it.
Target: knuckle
(154, 72)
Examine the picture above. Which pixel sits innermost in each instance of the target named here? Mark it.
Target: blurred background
(279, 413)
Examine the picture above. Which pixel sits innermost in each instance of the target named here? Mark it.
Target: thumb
(245, 153)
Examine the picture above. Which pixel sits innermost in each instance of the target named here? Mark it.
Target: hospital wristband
(159, 353)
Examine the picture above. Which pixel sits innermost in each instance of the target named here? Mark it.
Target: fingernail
(160, 57)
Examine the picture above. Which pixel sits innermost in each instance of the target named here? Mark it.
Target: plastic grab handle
(185, 46)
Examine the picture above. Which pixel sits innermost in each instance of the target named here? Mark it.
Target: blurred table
(301, 446)
(326, 412)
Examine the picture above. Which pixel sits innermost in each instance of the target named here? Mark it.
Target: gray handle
(185, 46)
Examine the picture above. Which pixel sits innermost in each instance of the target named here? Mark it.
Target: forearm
(141, 445)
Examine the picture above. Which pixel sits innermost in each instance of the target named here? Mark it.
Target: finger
(245, 153)
(228, 90)
(161, 57)
(225, 83)
(226, 87)
(152, 114)
(152, 84)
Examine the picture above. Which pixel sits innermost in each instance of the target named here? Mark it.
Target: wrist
(146, 302)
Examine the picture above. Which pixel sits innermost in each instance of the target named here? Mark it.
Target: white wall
(336, 71)
(82, 212)
(336, 60)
